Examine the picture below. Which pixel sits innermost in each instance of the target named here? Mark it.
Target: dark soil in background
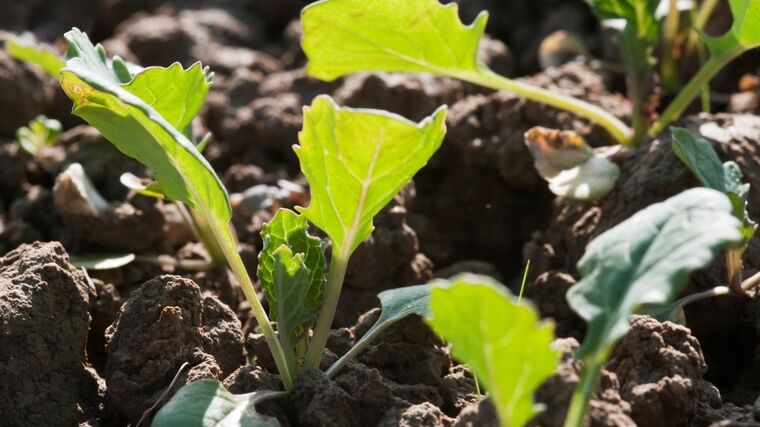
(100, 350)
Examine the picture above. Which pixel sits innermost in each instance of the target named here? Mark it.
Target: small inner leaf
(502, 340)
(700, 157)
(290, 230)
(647, 259)
(206, 403)
(356, 160)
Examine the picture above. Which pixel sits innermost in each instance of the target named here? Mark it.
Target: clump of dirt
(480, 197)
(25, 90)
(163, 324)
(660, 368)
(389, 258)
(44, 321)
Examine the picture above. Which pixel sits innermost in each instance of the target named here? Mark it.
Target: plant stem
(668, 68)
(226, 242)
(691, 90)
(705, 11)
(612, 124)
(734, 269)
(200, 228)
(589, 377)
(338, 265)
(366, 340)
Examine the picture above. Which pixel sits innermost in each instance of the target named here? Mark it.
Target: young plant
(700, 157)
(422, 36)
(640, 28)
(354, 160)
(41, 132)
(642, 264)
(504, 343)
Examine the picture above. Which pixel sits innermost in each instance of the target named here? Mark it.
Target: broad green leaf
(396, 304)
(34, 53)
(206, 403)
(502, 340)
(102, 261)
(346, 36)
(744, 33)
(356, 160)
(139, 131)
(700, 157)
(647, 259)
(175, 93)
(41, 132)
(290, 230)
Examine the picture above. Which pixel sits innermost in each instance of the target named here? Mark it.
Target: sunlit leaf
(356, 160)
(500, 338)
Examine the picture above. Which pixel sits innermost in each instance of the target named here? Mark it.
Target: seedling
(640, 264)
(700, 157)
(354, 160)
(41, 132)
(643, 26)
(504, 343)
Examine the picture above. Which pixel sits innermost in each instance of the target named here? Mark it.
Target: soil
(98, 348)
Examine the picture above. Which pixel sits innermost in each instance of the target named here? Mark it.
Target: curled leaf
(572, 168)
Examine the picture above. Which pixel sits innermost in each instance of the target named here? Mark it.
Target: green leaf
(175, 93)
(102, 261)
(139, 130)
(34, 53)
(206, 403)
(297, 301)
(744, 33)
(41, 132)
(356, 160)
(647, 259)
(396, 304)
(500, 338)
(700, 157)
(346, 36)
(290, 230)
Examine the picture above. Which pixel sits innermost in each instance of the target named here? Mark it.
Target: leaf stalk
(227, 245)
(335, 276)
(589, 377)
(692, 89)
(619, 130)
